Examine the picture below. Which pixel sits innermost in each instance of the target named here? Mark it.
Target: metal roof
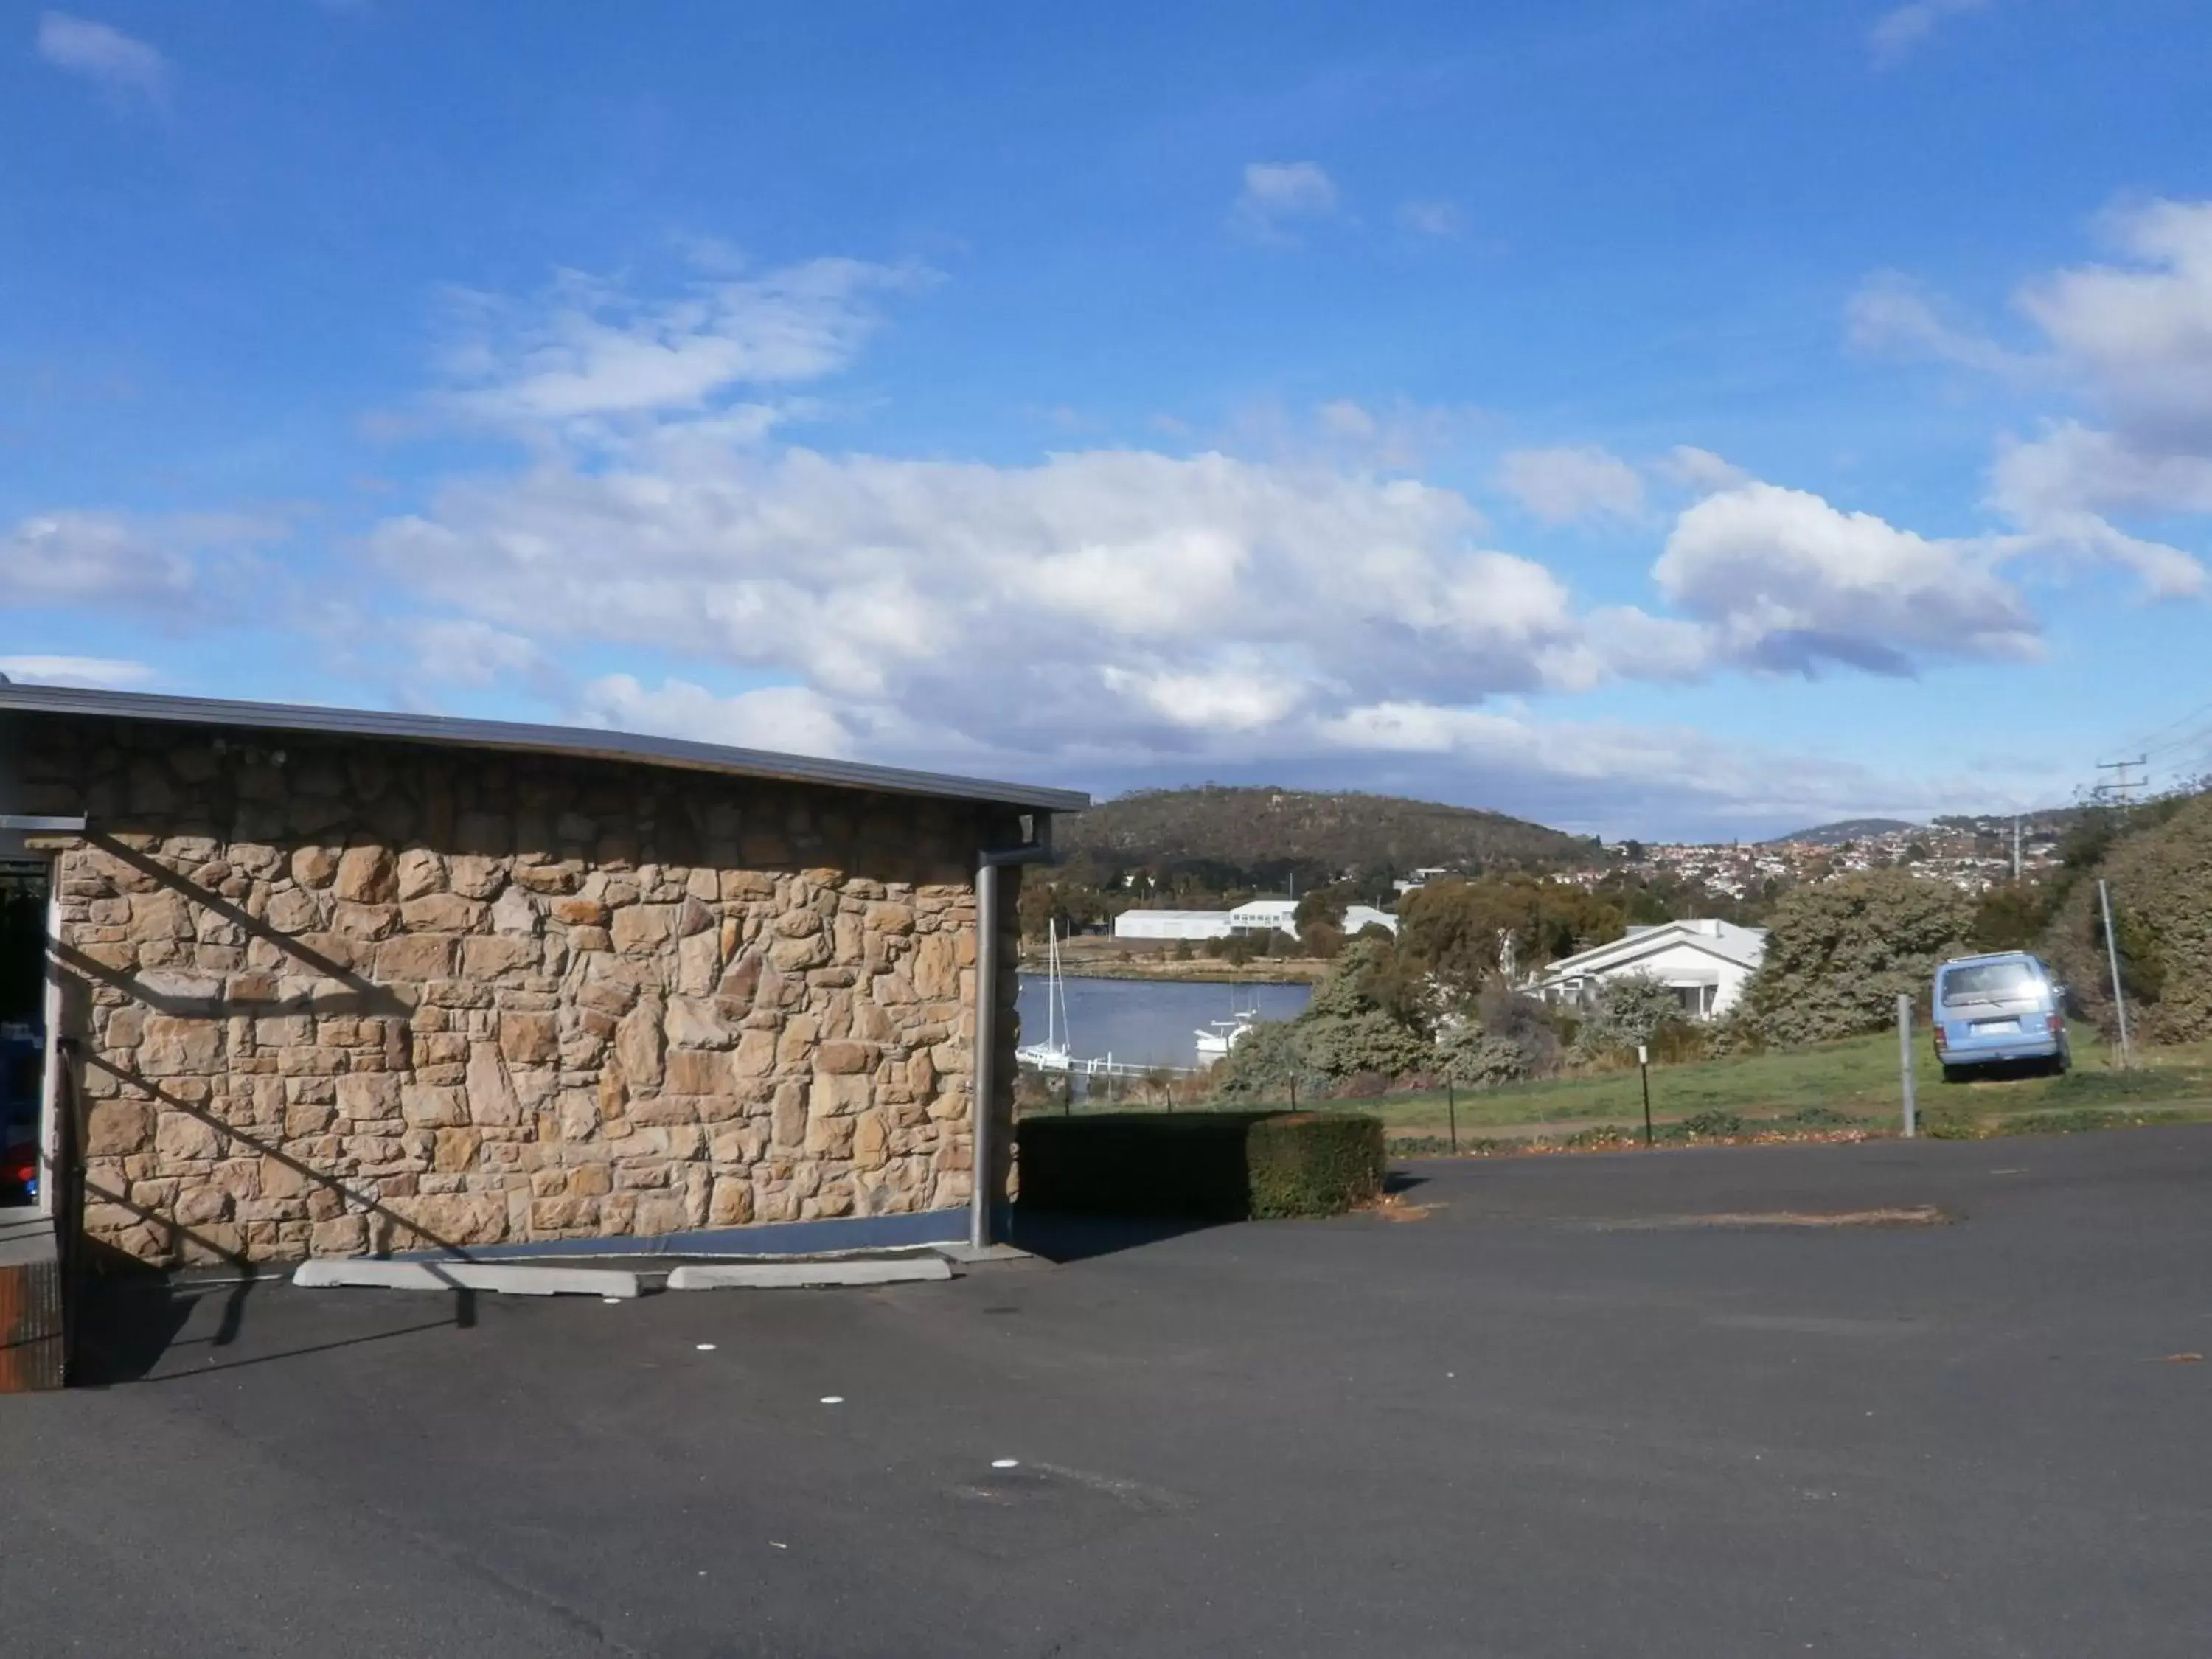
(529, 740)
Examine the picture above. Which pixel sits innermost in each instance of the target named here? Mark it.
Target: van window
(1990, 981)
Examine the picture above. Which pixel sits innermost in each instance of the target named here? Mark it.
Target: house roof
(1744, 946)
(514, 737)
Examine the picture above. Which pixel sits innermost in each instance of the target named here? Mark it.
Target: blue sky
(1657, 419)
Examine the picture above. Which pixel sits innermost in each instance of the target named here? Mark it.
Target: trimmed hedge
(1224, 1166)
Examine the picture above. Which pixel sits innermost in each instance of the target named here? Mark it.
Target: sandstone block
(870, 1141)
(696, 1023)
(640, 928)
(115, 1129)
(492, 1099)
(181, 1136)
(639, 1044)
(834, 1095)
(844, 1057)
(580, 911)
(515, 912)
(696, 1071)
(413, 957)
(365, 875)
(344, 1234)
(371, 1095)
(529, 1039)
(884, 917)
(476, 875)
(418, 871)
(756, 1055)
(179, 1047)
(440, 913)
(314, 867)
(485, 957)
(429, 1106)
(733, 1203)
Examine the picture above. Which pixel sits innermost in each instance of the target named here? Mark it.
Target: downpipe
(1035, 848)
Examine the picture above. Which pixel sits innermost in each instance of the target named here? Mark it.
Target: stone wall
(340, 995)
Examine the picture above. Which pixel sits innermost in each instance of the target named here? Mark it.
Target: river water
(1150, 1021)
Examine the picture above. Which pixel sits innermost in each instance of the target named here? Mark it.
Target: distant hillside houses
(1255, 919)
(1706, 962)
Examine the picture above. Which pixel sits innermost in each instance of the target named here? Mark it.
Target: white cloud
(1430, 218)
(122, 65)
(1889, 312)
(101, 673)
(2136, 340)
(1561, 485)
(1789, 582)
(590, 354)
(785, 718)
(1699, 470)
(462, 653)
(1277, 193)
(1896, 32)
(2141, 336)
(995, 601)
(87, 558)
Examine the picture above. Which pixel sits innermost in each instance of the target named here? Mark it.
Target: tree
(2011, 918)
(1840, 953)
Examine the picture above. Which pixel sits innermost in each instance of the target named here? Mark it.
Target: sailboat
(1221, 1036)
(1052, 1055)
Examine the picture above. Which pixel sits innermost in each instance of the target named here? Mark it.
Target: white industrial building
(1172, 924)
(1704, 962)
(1253, 919)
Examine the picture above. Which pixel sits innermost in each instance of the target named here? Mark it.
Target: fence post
(1644, 1074)
(1904, 1060)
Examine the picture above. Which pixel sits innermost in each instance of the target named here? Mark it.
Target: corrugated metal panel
(531, 740)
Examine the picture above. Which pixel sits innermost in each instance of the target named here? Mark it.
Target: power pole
(2120, 790)
(2112, 955)
(2016, 849)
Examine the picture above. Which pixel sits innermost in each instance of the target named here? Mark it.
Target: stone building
(324, 982)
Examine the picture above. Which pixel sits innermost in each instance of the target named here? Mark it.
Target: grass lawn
(1857, 1076)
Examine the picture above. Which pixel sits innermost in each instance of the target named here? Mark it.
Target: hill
(1269, 831)
(1844, 830)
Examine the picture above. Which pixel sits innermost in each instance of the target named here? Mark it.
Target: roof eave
(519, 738)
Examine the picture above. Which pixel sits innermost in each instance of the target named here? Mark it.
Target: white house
(1704, 962)
(1357, 916)
(1172, 924)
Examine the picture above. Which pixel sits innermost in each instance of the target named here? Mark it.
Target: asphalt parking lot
(1558, 1413)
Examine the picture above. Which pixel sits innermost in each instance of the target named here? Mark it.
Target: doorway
(26, 898)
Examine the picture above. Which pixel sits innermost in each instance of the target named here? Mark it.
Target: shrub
(1202, 1166)
(1476, 1059)
(1303, 1164)
(1263, 1063)
(2162, 886)
(1630, 1010)
(1838, 953)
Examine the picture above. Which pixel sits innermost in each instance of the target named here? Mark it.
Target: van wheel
(2061, 1063)
(1955, 1074)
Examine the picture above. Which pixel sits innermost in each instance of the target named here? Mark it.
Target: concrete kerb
(807, 1275)
(918, 1264)
(349, 1272)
